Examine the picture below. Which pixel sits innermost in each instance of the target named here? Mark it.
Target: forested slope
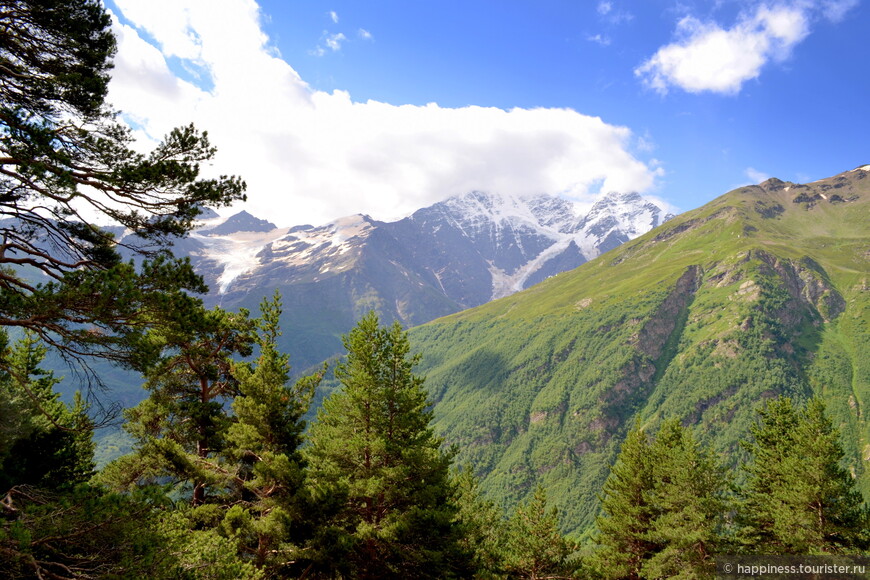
(762, 292)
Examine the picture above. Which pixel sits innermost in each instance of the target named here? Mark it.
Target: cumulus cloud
(707, 57)
(310, 156)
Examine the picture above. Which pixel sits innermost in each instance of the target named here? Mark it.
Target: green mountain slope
(763, 291)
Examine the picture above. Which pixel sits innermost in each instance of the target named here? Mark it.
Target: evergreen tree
(626, 513)
(65, 158)
(689, 504)
(81, 532)
(373, 454)
(47, 443)
(53, 525)
(483, 529)
(180, 429)
(663, 508)
(269, 518)
(799, 499)
(536, 548)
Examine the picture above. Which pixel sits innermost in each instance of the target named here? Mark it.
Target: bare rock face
(456, 254)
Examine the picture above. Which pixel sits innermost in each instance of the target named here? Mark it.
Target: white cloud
(603, 40)
(334, 41)
(835, 10)
(707, 57)
(364, 34)
(755, 175)
(309, 156)
(613, 15)
(333, 15)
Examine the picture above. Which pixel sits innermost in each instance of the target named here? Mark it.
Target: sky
(331, 108)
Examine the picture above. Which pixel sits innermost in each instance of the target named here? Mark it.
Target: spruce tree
(373, 454)
(799, 499)
(536, 548)
(626, 513)
(47, 443)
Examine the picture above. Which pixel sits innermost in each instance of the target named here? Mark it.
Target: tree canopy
(66, 162)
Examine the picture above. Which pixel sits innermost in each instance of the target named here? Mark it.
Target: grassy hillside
(763, 291)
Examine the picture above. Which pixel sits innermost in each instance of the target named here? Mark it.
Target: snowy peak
(543, 212)
(616, 218)
(308, 254)
(240, 222)
(524, 239)
(635, 214)
(307, 244)
(471, 248)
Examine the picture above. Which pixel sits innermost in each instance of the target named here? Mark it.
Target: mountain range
(453, 255)
(763, 292)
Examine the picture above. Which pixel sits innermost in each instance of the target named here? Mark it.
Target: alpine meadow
(759, 294)
(500, 385)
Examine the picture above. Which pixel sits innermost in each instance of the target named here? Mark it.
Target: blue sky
(329, 108)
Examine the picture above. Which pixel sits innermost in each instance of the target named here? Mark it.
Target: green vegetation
(708, 333)
(702, 319)
(372, 495)
(799, 499)
(374, 458)
(663, 508)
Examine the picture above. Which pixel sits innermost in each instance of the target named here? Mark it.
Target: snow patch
(504, 284)
(236, 253)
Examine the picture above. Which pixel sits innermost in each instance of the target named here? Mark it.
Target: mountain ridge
(761, 292)
(452, 255)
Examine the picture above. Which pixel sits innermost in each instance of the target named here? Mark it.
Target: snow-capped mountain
(523, 240)
(453, 255)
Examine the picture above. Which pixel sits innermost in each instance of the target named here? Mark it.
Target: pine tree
(373, 454)
(269, 517)
(536, 548)
(64, 158)
(482, 528)
(180, 429)
(81, 532)
(663, 508)
(799, 499)
(52, 524)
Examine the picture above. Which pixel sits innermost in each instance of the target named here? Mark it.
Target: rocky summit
(453, 255)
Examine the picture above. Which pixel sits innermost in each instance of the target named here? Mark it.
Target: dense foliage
(372, 495)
